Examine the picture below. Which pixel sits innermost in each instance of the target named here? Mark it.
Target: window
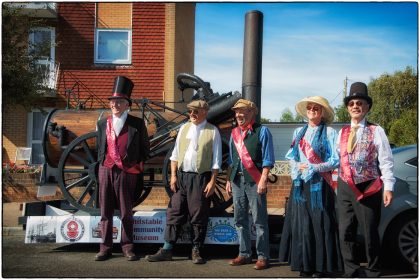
(36, 121)
(113, 29)
(42, 46)
(113, 46)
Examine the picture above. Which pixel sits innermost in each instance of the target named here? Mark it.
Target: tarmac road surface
(77, 260)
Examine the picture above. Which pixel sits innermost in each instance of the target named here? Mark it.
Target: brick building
(91, 43)
(86, 54)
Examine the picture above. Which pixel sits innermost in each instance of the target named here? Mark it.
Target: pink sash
(112, 143)
(315, 159)
(246, 159)
(346, 170)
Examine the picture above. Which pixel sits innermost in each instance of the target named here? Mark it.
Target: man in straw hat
(123, 146)
(195, 163)
(309, 241)
(366, 164)
(251, 158)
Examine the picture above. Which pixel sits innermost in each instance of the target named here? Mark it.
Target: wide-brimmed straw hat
(327, 111)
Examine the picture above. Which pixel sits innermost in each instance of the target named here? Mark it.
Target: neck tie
(352, 138)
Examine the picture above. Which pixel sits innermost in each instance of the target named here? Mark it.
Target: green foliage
(287, 116)
(395, 102)
(20, 79)
(264, 120)
(404, 130)
(341, 114)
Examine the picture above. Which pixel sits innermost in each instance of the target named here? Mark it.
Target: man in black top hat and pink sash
(365, 181)
(123, 146)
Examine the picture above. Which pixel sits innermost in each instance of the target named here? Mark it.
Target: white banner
(149, 227)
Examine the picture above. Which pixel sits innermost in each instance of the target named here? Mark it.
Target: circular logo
(72, 229)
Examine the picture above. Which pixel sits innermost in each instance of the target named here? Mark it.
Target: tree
(341, 114)
(20, 77)
(395, 102)
(287, 116)
(264, 120)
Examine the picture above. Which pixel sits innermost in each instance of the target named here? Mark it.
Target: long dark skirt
(309, 241)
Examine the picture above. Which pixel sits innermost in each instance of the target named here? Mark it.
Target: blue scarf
(321, 148)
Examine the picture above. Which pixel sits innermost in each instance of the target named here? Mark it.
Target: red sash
(315, 159)
(346, 170)
(112, 146)
(246, 159)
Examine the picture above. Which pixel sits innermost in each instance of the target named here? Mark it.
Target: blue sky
(308, 48)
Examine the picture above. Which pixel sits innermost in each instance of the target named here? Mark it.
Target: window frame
(51, 58)
(110, 61)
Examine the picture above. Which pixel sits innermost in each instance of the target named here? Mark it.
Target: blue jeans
(245, 197)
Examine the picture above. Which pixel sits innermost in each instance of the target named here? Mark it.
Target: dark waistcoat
(254, 146)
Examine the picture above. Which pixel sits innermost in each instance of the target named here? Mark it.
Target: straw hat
(327, 111)
(245, 104)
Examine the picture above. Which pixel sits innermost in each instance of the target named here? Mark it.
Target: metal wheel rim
(407, 241)
(84, 179)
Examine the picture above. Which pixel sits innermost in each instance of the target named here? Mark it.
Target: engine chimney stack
(252, 59)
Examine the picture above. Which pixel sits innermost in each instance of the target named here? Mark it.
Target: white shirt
(189, 164)
(385, 158)
(118, 122)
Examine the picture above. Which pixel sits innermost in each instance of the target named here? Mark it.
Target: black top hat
(358, 90)
(122, 89)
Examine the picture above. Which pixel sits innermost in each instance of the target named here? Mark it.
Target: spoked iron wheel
(219, 200)
(78, 175)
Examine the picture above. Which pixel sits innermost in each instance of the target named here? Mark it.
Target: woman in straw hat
(309, 242)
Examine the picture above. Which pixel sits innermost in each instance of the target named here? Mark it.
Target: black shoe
(130, 256)
(161, 255)
(103, 256)
(195, 256)
(306, 274)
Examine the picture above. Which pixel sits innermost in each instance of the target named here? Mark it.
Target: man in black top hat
(123, 146)
(365, 181)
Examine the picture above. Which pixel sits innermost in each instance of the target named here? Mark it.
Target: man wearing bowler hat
(195, 163)
(123, 146)
(365, 181)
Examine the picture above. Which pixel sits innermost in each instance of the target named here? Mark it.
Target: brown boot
(240, 260)
(261, 264)
(195, 256)
(103, 256)
(161, 255)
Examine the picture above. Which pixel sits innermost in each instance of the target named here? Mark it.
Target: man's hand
(173, 183)
(262, 184)
(209, 190)
(228, 188)
(387, 198)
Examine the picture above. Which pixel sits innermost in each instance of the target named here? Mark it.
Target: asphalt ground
(52, 260)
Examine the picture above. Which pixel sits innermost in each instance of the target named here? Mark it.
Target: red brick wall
(277, 194)
(75, 52)
(22, 188)
(14, 122)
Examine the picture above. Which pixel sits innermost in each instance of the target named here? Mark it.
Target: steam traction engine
(70, 146)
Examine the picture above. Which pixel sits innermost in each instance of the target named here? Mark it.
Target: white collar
(122, 118)
(361, 124)
(200, 125)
